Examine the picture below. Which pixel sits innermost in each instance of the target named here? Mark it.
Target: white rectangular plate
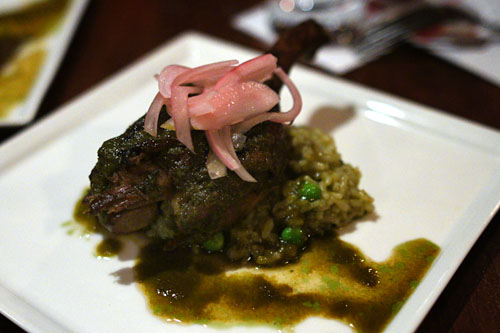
(55, 44)
(431, 175)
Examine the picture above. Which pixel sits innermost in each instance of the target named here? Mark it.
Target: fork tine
(381, 38)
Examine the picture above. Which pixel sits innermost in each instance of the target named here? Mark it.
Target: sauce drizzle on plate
(332, 279)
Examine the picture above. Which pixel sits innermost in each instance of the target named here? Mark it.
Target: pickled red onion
(232, 104)
(290, 115)
(216, 140)
(167, 76)
(277, 117)
(240, 170)
(203, 72)
(151, 120)
(227, 99)
(257, 69)
(180, 114)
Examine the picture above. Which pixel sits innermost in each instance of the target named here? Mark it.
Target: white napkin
(483, 61)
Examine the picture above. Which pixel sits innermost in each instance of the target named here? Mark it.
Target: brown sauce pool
(332, 279)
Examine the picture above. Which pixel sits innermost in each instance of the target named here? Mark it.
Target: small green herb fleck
(414, 284)
(404, 252)
(330, 283)
(430, 259)
(384, 269)
(306, 270)
(396, 307)
(400, 265)
(334, 269)
(316, 306)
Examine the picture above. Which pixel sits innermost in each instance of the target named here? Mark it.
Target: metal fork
(382, 38)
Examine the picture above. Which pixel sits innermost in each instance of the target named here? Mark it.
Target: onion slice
(277, 117)
(151, 120)
(227, 139)
(167, 76)
(219, 148)
(248, 124)
(228, 100)
(233, 104)
(257, 69)
(202, 72)
(180, 114)
(290, 115)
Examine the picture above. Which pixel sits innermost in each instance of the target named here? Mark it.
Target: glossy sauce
(88, 222)
(110, 245)
(332, 279)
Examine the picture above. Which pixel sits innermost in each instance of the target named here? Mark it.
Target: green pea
(292, 235)
(216, 243)
(310, 191)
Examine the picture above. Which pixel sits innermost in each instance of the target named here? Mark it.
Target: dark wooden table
(114, 33)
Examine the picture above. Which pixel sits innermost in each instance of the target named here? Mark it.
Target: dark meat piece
(141, 181)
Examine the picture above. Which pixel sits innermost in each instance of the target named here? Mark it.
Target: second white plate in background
(55, 44)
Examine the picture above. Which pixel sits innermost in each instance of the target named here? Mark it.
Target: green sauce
(85, 220)
(109, 247)
(88, 224)
(18, 70)
(331, 280)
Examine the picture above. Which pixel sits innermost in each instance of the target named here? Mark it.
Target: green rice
(314, 161)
